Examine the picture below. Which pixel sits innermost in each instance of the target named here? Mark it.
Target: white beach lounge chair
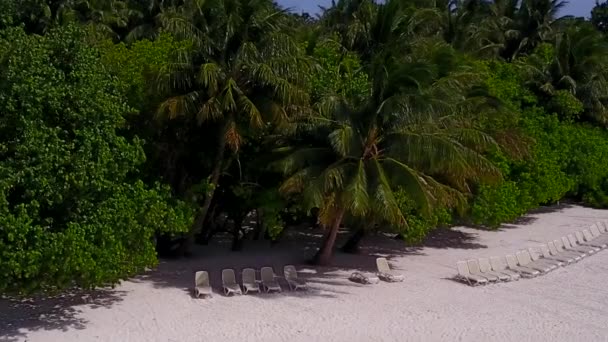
(475, 270)
(601, 225)
(537, 256)
(269, 280)
(524, 259)
(229, 283)
(250, 284)
(592, 239)
(500, 265)
(559, 250)
(597, 236)
(201, 284)
(466, 276)
(570, 244)
(544, 249)
(291, 276)
(385, 273)
(486, 268)
(523, 271)
(580, 237)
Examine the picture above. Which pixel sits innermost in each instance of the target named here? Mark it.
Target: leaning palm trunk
(325, 253)
(201, 216)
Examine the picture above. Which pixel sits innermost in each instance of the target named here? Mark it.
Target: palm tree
(575, 64)
(243, 74)
(414, 132)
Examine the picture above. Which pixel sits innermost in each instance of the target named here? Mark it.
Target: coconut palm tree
(414, 132)
(573, 63)
(243, 74)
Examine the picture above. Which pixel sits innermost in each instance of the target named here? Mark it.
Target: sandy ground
(570, 304)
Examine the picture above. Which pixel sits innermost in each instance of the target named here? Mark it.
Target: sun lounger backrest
(566, 243)
(463, 269)
(594, 231)
(248, 276)
(534, 253)
(559, 245)
(484, 265)
(572, 240)
(603, 227)
(228, 277)
(498, 264)
(382, 265)
(545, 250)
(473, 266)
(592, 227)
(523, 258)
(290, 272)
(201, 279)
(553, 247)
(267, 274)
(587, 234)
(511, 261)
(579, 237)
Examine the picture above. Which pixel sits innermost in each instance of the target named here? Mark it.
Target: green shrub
(71, 210)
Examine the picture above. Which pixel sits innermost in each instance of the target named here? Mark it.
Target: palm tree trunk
(201, 216)
(325, 253)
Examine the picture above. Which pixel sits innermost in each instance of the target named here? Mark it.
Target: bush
(71, 210)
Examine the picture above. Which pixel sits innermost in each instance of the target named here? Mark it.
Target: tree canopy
(131, 127)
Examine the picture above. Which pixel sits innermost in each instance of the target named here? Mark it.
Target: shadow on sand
(296, 247)
(50, 313)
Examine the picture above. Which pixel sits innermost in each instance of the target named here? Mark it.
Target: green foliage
(420, 224)
(137, 66)
(71, 212)
(339, 73)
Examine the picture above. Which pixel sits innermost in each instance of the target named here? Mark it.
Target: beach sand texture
(569, 304)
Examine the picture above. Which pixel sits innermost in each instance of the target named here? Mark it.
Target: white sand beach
(569, 304)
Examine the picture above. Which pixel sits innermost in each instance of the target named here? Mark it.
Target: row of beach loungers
(269, 281)
(535, 261)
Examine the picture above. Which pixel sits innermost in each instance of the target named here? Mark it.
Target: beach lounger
(537, 255)
(601, 225)
(249, 282)
(595, 231)
(500, 265)
(570, 244)
(561, 253)
(525, 260)
(385, 273)
(561, 258)
(523, 271)
(465, 275)
(291, 276)
(591, 240)
(229, 283)
(598, 236)
(269, 281)
(361, 278)
(580, 239)
(559, 245)
(486, 268)
(201, 284)
(475, 270)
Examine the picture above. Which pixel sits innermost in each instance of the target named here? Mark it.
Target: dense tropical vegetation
(136, 127)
